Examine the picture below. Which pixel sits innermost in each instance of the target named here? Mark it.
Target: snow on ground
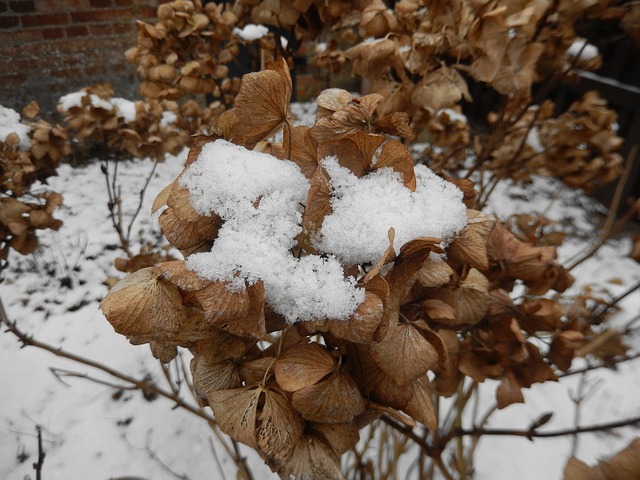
(54, 295)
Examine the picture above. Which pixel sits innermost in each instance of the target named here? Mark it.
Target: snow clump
(10, 123)
(364, 209)
(261, 200)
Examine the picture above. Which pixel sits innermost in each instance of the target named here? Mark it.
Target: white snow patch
(533, 140)
(251, 32)
(126, 108)
(453, 115)
(10, 123)
(168, 118)
(585, 50)
(364, 209)
(259, 197)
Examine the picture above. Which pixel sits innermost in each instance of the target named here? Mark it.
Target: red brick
(147, 12)
(124, 27)
(77, 31)
(54, 6)
(95, 16)
(9, 22)
(19, 37)
(124, 3)
(68, 73)
(101, 29)
(52, 33)
(48, 19)
(96, 70)
(23, 6)
(100, 3)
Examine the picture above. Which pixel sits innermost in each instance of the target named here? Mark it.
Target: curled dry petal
(509, 391)
(145, 306)
(212, 377)
(302, 366)
(335, 399)
(470, 299)
(240, 312)
(420, 407)
(304, 149)
(279, 426)
(263, 102)
(470, 246)
(366, 324)
(236, 412)
(312, 459)
(363, 153)
(404, 353)
(356, 116)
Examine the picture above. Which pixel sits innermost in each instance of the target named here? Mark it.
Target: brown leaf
(302, 366)
(404, 353)
(236, 412)
(469, 298)
(356, 116)
(396, 124)
(509, 391)
(420, 406)
(362, 153)
(213, 377)
(331, 100)
(317, 208)
(263, 101)
(333, 400)
(304, 149)
(364, 325)
(31, 110)
(341, 436)
(145, 306)
(240, 312)
(470, 246)
(221, 345)
(312, 459)
(441, 88)
(279, 426)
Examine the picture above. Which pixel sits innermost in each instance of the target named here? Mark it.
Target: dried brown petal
(302, 366)
(145, 306)
(336, 399)
(263, 101)
(470, 246)
(404, 353)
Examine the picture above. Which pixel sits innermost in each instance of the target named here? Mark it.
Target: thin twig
(141, 201)
(589, 368)
(41, 454)
(61, 372)
(28, 340)
(533, 433)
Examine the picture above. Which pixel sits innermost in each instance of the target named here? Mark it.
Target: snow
(10, 123)
(168, 118)
(255, 241)
(85, 429)
(453, 115)
(364, 209)
(251, 32)
(125, 109)
(585, 50)
(533, 140)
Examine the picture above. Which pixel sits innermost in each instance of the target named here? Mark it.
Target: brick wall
(52, 47)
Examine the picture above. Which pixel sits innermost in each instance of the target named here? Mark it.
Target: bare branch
(533, 433)
(41, 454)
(28, 340)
